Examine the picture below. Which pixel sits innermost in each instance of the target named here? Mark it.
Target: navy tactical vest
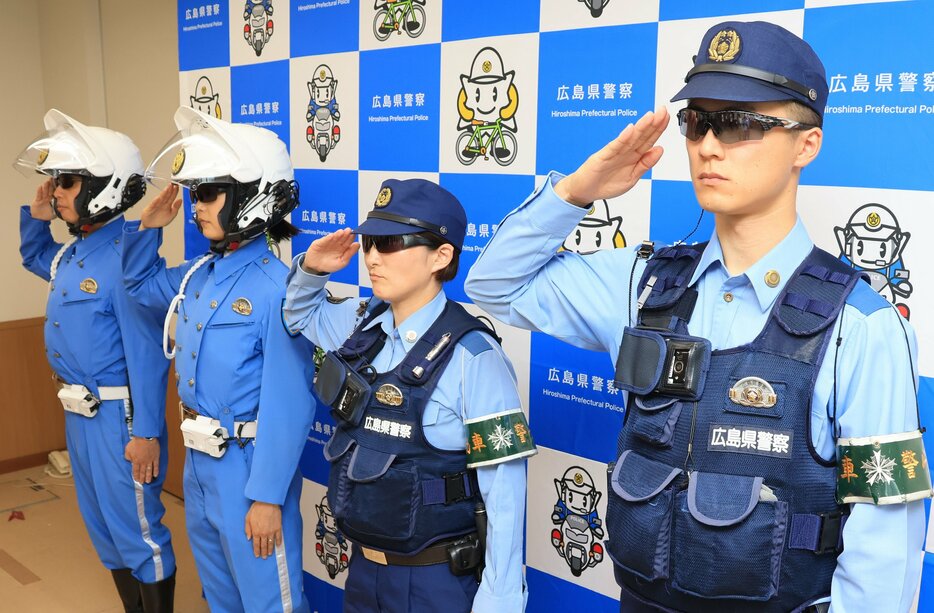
(389, 488)
(719, 506)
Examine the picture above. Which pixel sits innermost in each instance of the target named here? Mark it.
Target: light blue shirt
(583, 300)
(234, 364)
(471, 386)
(100, 337)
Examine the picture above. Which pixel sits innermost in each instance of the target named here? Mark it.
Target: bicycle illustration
(484, 139)
(398, 16)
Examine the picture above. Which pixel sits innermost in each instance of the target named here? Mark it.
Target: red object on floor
(16, 515)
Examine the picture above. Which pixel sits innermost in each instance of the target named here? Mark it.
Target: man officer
(747, 359)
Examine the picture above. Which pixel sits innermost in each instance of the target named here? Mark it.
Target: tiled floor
(47, 562)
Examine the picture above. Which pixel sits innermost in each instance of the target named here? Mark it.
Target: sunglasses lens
(384, 244)
(206, 192)
(67, 181)
(728, 126)
(688, 122)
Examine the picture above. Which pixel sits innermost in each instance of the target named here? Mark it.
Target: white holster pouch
(209, 436)
(78, 399)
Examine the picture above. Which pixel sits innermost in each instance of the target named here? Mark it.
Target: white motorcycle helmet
(109, 162)
(250, 164)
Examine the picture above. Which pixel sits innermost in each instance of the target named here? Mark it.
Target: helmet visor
(61, 149)
(195, 155)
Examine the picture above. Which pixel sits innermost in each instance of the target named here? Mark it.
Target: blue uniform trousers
(372, 588)
(123, 518)
(233, 579)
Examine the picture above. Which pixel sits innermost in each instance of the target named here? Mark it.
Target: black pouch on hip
(662, 362)
(342, 388)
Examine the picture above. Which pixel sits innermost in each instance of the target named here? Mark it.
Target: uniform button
(178, 346)
(57, 354)
(214, 304)
(265, 260)
(117, 242)
(191, 383)
(64, 292)
(197, 295)
(81, 264)
(728, 297)
(198, 327)
(193, 355)
(56, 324)
(53, 287)
(226, 410)
(411, 336)
(772, 278)
(177, 376)
(186, 318)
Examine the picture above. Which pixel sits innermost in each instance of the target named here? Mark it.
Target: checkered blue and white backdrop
(580, 74)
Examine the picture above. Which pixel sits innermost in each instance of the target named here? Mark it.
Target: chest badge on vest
(89, 286)
(753, 392)
(389, 394)
(242, 306)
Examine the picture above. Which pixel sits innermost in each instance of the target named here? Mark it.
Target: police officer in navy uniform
(772, 410)
(104, 350)
(429, 421)
(243, 380)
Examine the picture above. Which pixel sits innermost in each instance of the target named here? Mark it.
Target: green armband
(885, 469)
(502, 437)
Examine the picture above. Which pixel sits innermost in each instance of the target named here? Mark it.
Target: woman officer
(104, 351)
(414, 381)
(242, 379)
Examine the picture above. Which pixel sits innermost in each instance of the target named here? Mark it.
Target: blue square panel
(259, 95)
(482, 18)
(328, 202)
(585, 100)
(203, 41)
(689, 9)
(324, 27)
(399, 105)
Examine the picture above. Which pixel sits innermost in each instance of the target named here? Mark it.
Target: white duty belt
(76, 398)
(201, 433)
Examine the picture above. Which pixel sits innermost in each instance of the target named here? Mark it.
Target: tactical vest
(720, 502)
(389, 488)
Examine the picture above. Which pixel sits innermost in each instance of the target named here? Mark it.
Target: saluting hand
(613, 170)
(263, 525)
(162, 209)
(330, 253)
(41, 206)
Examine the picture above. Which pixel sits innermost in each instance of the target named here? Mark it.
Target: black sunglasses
(395, 242)
(207, 192)
(732, 126)
(67, 180)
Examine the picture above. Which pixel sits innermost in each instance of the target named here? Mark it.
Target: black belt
(434, 554)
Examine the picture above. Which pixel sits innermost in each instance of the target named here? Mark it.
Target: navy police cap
(756, 62)
(416, 205)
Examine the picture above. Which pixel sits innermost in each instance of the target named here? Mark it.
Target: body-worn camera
(465, 555)
(662, 362)
(342, 388)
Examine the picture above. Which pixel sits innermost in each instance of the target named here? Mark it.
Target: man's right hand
(613, 170)
(162, 209)
(330, 253)
(41, 206)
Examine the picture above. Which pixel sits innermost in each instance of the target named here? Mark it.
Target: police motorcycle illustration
(205, 99)
(330, 546)
(323, 133)
(259, 26)
(873, 242)
(596, 6)
(398, 16)
(579, 528)
(486, 108)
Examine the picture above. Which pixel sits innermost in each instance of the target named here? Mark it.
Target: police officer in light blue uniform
(244, 382)
(413, 380)
(104, 350)
(748, 360)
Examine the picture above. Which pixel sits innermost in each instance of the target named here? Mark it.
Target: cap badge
(389, 394)
(383, 198)
(88, 286)
(178, 161)
(873, 220)
(487, 66)
(578, 479)
(753, 392)
(43, 156)
(724, 47)
(322, 75)
(242, 306)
